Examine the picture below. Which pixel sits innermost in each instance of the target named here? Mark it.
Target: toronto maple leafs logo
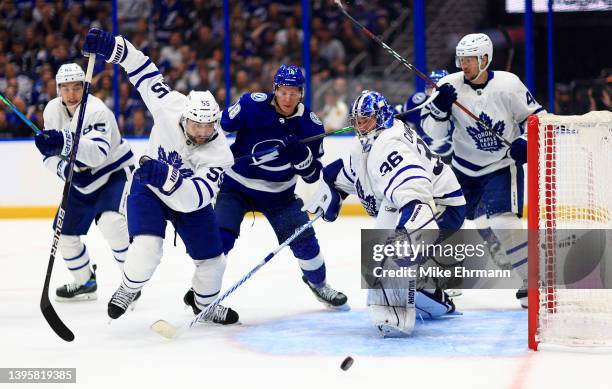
(485, 139)
(368, 201)
(175, 160)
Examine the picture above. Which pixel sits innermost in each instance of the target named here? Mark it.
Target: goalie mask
(370, 114)
(475, 45)
(70, 72)
(200, 119)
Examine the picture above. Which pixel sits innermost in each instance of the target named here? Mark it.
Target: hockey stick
(414, 69)
(169, 331)
(27, 121)
(45, 304)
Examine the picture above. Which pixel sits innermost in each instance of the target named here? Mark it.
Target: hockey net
(570, 188)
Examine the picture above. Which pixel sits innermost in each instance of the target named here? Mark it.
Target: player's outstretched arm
(142, 72)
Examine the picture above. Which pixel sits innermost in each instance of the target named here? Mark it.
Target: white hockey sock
(113, 227)
(143, 257)
(76, 257)
(207, 279)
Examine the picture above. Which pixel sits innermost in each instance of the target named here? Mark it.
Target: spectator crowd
(185, 39)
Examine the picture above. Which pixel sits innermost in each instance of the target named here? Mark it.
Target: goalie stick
(169, 331)
(417, 71)
(47, 309)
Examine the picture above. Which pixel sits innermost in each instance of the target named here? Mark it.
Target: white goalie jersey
(101, 151)
(504, 104)
(398, 169)
(201, 166)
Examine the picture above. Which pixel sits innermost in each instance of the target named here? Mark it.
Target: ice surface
(287, 339)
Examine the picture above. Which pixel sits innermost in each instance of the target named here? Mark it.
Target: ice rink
(286, 338)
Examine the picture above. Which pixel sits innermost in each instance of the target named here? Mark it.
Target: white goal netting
(574, 189)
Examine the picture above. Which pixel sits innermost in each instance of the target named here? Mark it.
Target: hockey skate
(521, 296)
(78, 292)
(120, 302)
(329, 296)
(220, 315)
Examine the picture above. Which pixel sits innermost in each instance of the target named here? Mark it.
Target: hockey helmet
(202, 108)
(475, 45)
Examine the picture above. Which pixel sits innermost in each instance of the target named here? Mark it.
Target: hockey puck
(347, 363)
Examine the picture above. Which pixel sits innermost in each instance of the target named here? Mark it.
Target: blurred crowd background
(185, 39)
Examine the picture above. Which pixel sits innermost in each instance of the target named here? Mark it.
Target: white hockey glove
(328, 200)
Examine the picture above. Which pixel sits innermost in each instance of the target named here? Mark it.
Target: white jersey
(398, 169)
(201, 166)
(101, 151)
(504, 104)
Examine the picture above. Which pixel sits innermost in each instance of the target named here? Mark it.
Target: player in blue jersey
(266, 184)
(412, 116)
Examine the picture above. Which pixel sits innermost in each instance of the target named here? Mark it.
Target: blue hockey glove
(99, 42)
(518, 150)
(159, 175)
(442, 103)
(55, 143)
(301, 159)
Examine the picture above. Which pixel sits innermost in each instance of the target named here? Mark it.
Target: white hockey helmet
(475, 45)
(201, 107)
(69, 72)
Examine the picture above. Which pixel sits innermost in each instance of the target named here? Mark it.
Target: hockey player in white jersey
(396, 178)
(490, 173)
(102, 167)
(177, 181)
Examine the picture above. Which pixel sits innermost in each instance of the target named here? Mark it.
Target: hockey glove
(159, 175)
(301, 159)
(328, 200)
(518, 150)
(99, 42)
(441, 105)
(56, 143)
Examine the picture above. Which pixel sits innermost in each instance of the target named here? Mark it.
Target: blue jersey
(442, 146)
(259, 127)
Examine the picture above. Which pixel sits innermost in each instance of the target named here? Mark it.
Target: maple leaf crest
(175, 160)
(368, 201)
(485, 139)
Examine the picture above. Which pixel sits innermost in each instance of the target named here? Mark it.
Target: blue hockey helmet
(290, 75)
(371, 104)
(437, 75)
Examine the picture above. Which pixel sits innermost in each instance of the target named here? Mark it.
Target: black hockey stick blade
(54, 320)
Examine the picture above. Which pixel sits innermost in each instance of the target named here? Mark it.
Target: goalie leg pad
(76, 257)
(113, 227)
(144, 255)
(392, 310)
(207, 278)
